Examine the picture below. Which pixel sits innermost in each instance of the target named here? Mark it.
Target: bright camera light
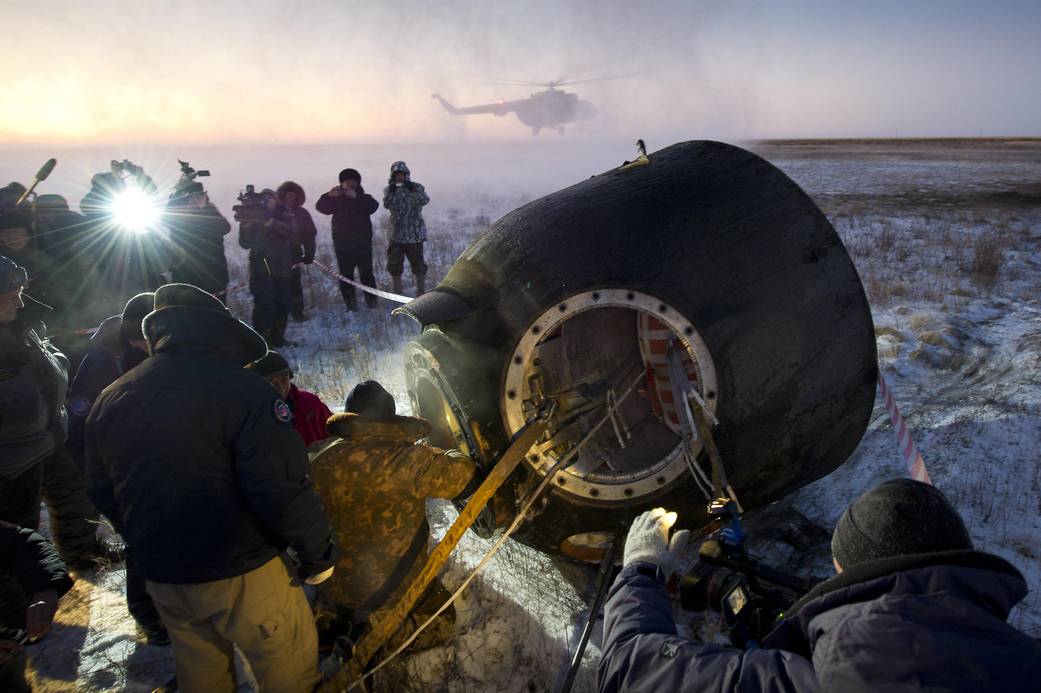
(135, 210)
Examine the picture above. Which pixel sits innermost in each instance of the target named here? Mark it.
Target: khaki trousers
(261, 612)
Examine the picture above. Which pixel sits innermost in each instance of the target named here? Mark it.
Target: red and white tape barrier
(912, 458)
(398, 298)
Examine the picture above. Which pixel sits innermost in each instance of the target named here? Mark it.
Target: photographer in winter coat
(195, 461)
(405, 201)
(272, 241)
(913, 607)
(124, 252)
(352, 209)
(197, 230)
(292, 196)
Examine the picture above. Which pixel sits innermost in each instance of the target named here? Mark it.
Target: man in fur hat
(351, 209)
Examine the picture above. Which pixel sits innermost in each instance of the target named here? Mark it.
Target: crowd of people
(172, 392)
(85, 264)
(185, 432)
(253, 517)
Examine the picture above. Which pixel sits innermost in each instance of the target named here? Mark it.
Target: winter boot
(395, 281)
(421, 284)
(278, 332)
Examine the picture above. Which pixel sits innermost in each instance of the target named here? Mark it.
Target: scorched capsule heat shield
(708, 257)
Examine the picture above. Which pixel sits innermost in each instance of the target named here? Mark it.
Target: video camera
(189, 174)
(751, 597)
(251, 207)
(127, 167)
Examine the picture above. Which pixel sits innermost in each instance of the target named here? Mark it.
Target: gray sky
(280, 71)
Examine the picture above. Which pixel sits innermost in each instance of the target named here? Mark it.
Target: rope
(517, 521)
(912, 458)
(397, 298)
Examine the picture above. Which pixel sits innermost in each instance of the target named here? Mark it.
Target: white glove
(320, 577)
(648, 540)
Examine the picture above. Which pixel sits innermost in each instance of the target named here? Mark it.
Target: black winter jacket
(198, 236)
(107, 358)
(352, 217)
(307, 232)
(933, 621)
(195, 460)
(33, 563)
(33, 379)
(273, 245)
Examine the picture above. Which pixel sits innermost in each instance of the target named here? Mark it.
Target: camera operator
(913, 607)
(268, 230)
(123, 262)
(197, 230)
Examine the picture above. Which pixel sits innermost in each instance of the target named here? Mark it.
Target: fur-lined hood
(404, 429)
(290, 186)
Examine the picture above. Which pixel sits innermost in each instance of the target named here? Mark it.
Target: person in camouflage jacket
(374, 481)
(405, 200)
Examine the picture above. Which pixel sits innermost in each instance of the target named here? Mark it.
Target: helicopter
(552, 108)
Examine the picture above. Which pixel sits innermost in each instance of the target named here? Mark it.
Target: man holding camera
(913, 607)
(122, 261)
(405, 201)
(197, 230)
(352, 209)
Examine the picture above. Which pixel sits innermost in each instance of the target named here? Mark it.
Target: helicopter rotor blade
(510, 83)
(600, 79)
(563, 82)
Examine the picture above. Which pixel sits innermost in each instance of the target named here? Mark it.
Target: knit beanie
(12, 276)
(898, 518)
(135, 311)
(369, 399)
(350, 174)
(272, 364)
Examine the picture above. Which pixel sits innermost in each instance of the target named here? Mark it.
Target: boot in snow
(421, 284)
(279, 333)
(395, 281)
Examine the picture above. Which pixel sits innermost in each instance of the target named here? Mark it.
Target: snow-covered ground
(947, 238)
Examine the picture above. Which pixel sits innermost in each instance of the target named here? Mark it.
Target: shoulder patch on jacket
(79, 406)
(669, 649)
(281, 411)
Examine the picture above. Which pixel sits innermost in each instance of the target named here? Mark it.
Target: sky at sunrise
(207, 71)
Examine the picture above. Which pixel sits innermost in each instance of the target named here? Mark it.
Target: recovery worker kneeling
(913, 607)
(374, 480)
